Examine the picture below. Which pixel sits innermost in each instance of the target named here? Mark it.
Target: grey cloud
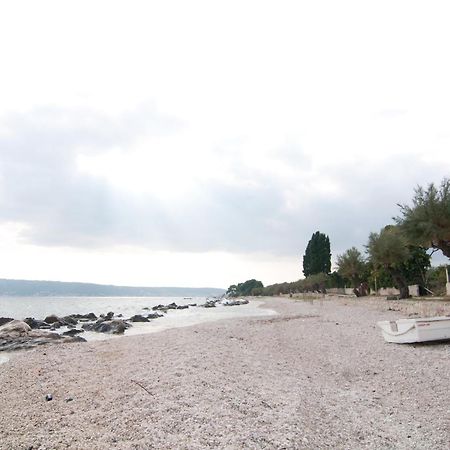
(41, 188)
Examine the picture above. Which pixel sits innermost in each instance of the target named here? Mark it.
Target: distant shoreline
(38, 288)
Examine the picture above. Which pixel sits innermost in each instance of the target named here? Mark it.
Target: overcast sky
(202, 143)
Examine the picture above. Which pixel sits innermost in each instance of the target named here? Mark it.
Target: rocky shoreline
(31, 332)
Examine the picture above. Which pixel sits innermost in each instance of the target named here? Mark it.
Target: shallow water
(40, 307)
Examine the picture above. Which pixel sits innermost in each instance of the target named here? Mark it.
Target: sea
(40, 307)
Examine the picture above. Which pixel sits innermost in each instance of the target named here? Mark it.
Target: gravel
(318, 375)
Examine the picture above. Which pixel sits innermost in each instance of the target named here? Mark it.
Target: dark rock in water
(236, 302)
(107, 326)
(172, 305)
(159, 308)
(154, 316)
(4, 320)
(107, 316)
(139, 318)
(209, 304)
(69, 320)
(72, 332)
(90, 316)
(51, 319)
(146, 308)
(182, 306)
(119, 315)
(192, 304)
(37, 324)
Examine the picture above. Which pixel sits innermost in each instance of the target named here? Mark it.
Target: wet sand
(318, 375)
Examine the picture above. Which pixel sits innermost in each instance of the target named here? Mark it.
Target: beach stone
(182, 306)
(139, 318)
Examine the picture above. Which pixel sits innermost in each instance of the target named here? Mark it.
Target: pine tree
(317, 257)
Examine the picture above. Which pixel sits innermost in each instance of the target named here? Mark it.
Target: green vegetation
(351, 265)
(427, 221)
(317, 258)
(396, 255)
(249, 287)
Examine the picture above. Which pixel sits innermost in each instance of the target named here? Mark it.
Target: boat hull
(406, 331)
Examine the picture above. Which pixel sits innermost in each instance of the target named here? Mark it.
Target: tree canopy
(388, 250)
(351, 265)
(427, 222)
(249, 287)
(317, 257)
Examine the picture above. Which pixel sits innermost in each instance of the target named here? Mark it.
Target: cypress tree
(317, 257)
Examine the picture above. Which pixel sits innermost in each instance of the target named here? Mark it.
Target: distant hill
(69, 289)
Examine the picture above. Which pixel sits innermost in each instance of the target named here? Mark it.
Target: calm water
(40, 307)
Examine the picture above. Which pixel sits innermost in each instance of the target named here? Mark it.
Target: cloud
(271, 202)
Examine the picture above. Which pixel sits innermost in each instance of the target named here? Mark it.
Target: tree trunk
(401, 283)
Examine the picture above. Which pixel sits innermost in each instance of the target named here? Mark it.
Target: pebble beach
(316, 375)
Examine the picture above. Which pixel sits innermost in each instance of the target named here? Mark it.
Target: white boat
(404, 331)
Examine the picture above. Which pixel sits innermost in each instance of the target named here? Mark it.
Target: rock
(107, 316)
(17, 335)
(154, 316)
(192, 304)
(139, 318)
(209, 304)
(72, 332)
(15, 327)
(69, 399)
(69, 320)
(145, 308)
(182, 306)
(90, 316)
(51, 319)
(4, 320)
(235, 302)
(34, 324)
(49, 397)
(107, 326)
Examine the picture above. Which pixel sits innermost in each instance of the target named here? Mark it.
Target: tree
(246, 288)
(317, 257)
(427, 222)
(351, 265)
(388, 250)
